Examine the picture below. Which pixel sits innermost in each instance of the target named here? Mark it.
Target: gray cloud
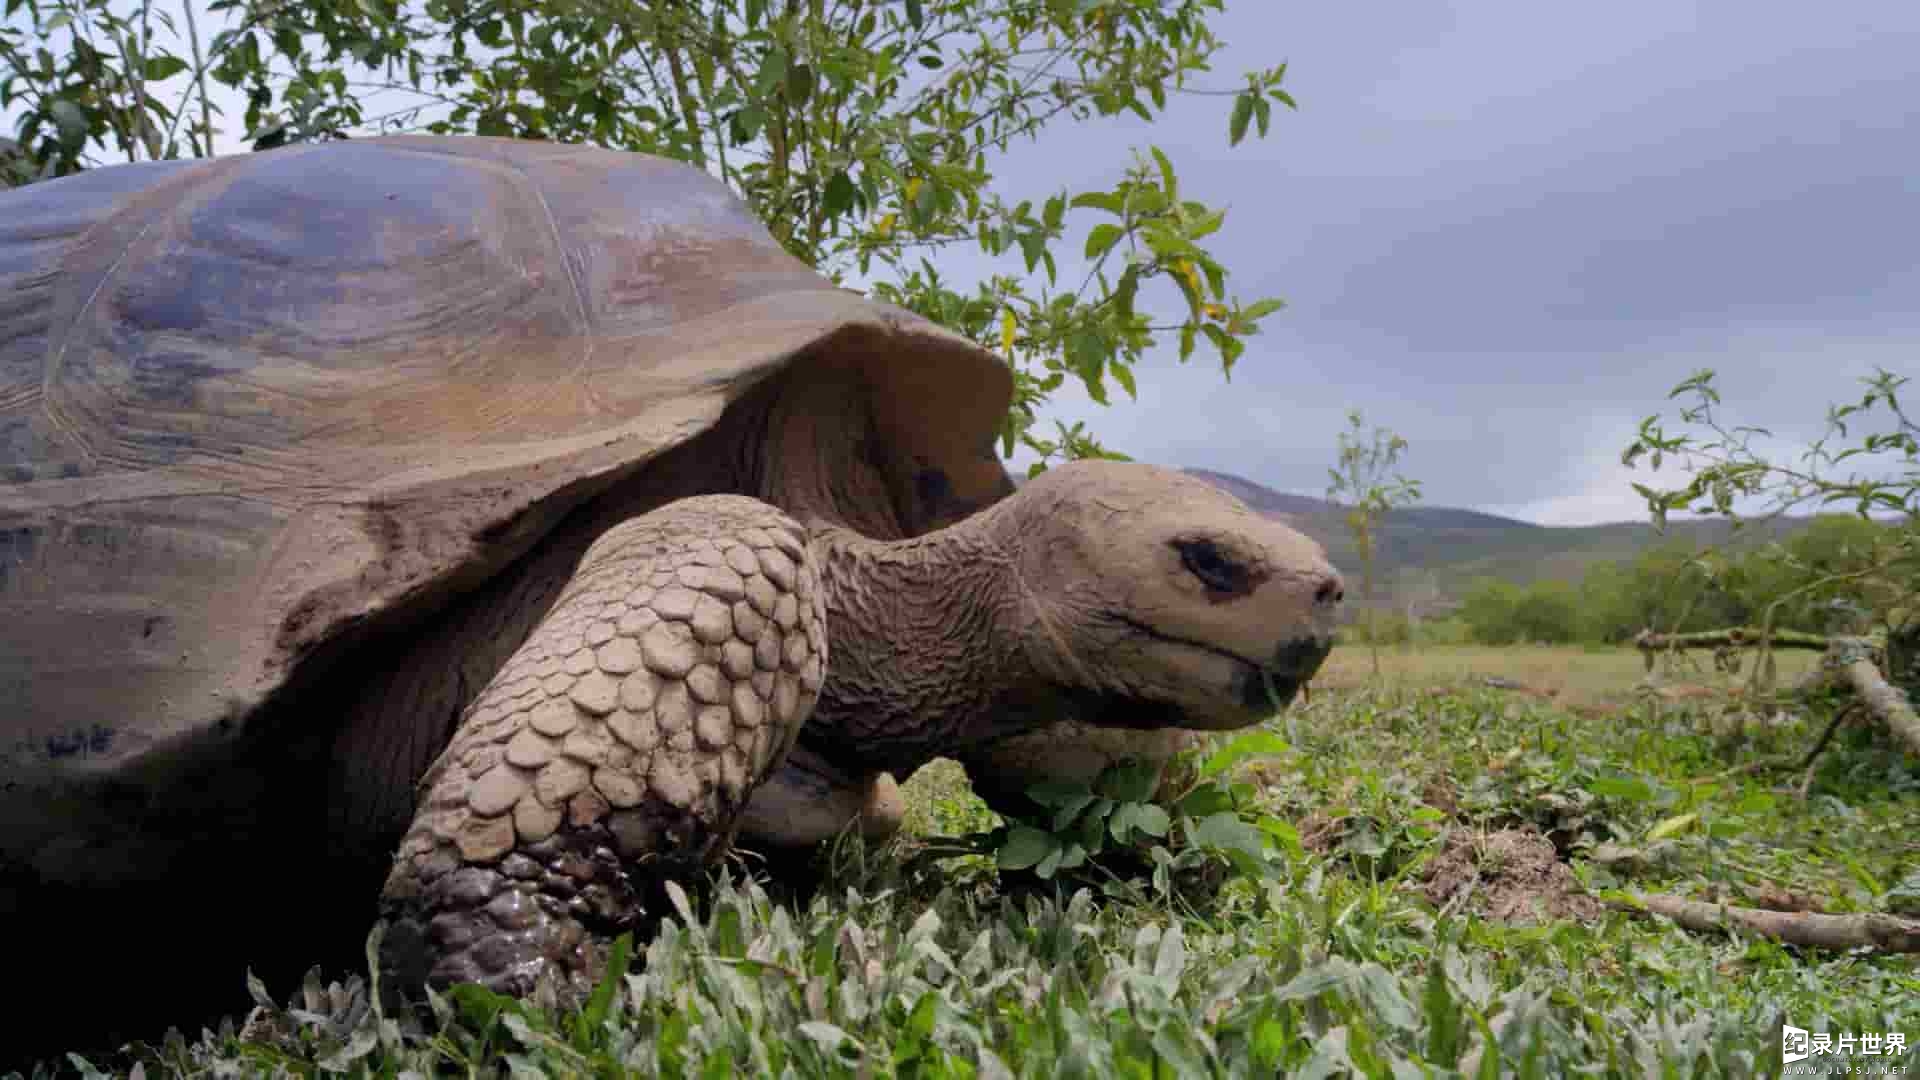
(1507, 229)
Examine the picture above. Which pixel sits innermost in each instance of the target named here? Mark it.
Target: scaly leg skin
(616, 748)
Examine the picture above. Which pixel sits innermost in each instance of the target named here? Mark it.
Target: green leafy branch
(1126, 823)
(866, 135)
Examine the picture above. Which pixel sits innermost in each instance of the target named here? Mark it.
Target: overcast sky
(1507, 229)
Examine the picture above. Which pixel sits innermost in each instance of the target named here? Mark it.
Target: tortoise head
(1161, 600)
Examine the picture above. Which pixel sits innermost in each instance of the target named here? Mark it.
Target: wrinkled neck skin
(928, 650)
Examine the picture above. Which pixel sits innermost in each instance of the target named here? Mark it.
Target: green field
(1454, 547)
(1429, 904)
(1587, 678)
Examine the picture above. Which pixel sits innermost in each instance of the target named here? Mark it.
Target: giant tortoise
(527, 511)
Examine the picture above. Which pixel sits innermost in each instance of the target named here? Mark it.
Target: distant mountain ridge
(1430, 555)
(1268, 501)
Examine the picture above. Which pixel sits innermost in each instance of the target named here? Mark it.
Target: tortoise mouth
(1256, 693)
(1253, 691)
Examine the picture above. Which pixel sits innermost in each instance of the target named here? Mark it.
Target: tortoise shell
(251, 406)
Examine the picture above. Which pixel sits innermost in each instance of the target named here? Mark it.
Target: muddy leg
(616, 748)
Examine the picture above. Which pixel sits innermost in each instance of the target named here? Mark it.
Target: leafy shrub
(1114, 831)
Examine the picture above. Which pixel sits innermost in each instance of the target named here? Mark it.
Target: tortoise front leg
(617, 746)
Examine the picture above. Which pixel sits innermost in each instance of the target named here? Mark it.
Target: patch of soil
(1509, 875)
(1320, 831)
(1439, 794)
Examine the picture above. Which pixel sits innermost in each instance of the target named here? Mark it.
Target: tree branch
(1885, 701)
(1872, 930)
(1737, 637)
(199, 81)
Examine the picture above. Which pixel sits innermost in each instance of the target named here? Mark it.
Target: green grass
(1369, 947)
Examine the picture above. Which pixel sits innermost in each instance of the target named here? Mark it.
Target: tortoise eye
(1204, 560)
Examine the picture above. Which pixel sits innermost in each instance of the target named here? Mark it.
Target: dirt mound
(1509, 875)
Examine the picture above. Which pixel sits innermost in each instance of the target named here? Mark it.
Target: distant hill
(1432, 554)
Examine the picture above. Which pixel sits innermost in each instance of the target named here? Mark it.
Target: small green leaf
(1672, 826)
(1445, 1034)
(1033, 246)
(1065, 812)
(1091, 833)
(800, 81)
(1631, 788)
(677, 896)
(1283, 833)
(1132, 782)
(746, 123)
(164, 66)
(829, 1036)
(70, 121)
(1242, 113)
(478, 1007)
(1315, 980)
(1252, 744)
(1209, 223)
(1170, 959)
(1382, 992)
(1167, 182)
(1051, 863)
(1261, 309)
(772, 74)
(1228, 833)
(1152, 820)
(1204, 800)
(920, 1021)
(359, 1045)
(1025, 847)
(839, 196)
(1102, 237)
(1101, 200)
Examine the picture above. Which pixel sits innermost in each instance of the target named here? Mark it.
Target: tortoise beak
(1294, 663)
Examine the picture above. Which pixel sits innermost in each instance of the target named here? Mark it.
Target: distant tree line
(1679, 587)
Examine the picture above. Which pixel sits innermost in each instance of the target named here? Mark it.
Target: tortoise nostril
(1329, 592)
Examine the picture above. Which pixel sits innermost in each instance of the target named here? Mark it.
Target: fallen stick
(1873, 930)
(1885, 701)
(1732, 638)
